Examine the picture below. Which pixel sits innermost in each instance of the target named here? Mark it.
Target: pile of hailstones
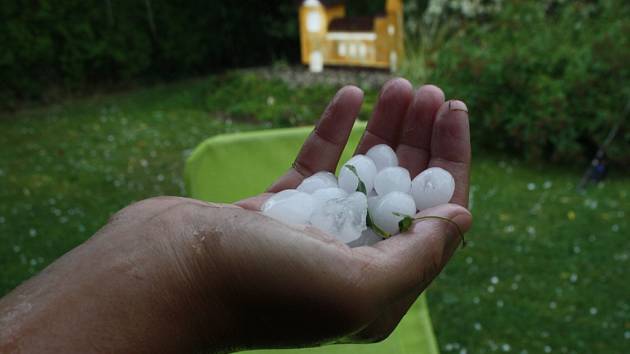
(337, 207)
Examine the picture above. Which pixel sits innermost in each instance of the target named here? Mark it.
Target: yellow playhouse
(328, 37)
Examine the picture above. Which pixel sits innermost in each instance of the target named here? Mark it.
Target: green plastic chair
(216, 172)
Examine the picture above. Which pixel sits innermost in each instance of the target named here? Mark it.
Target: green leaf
(361, 186)
(405, 223)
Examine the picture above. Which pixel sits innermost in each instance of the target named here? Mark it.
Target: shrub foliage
(70, 45)
(546, 79)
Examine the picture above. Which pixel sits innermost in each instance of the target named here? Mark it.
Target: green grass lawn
(544, 270)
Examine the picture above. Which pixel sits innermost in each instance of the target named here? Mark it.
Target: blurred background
(102, 101)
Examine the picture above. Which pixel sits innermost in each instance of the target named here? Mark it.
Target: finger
(404, 265)
(254, 203)
(323, 147)
(450, 146)
(414, 145)
(385, 124)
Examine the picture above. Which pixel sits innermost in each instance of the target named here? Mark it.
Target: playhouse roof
(331, 2)
(326, 3)
(352, 24)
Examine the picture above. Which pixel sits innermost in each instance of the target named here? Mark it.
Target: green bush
(545, 79)
(50, 46)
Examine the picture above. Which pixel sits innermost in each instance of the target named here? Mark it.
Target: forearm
(110, 295)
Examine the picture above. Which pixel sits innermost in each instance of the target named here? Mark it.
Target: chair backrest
(230, 167)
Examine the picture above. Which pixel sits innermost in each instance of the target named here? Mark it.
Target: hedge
(70, 45)
(544, 81)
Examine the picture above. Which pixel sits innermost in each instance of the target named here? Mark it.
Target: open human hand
(425, 131)
(174, 274)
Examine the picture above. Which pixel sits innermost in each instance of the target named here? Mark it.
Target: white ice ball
(290, 206)
(383, 156)
(366, 170)
(343, 218)
(433, 187)
(321, 196)
(392, 179)
(386, 207)
(372, 202)
(323, 179)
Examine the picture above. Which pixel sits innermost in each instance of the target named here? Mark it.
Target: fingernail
(394, 82)
(456, 105)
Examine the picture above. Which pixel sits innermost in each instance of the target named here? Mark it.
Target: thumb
(411, 260)
(254, 203)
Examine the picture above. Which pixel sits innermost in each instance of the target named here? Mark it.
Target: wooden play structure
(328, 37)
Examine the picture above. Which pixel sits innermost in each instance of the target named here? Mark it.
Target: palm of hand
(361, 294)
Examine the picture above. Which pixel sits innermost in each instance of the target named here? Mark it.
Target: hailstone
(321, 196)
(386, 208)
(290, 206)
(383, 156)
(392, 179)
(323, 179)
(433, 187)
(343, 218)
(366, 170)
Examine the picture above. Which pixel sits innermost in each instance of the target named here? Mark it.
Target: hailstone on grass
(290, 206)
(323, 179)
(366, 170)
(432, 187)
(386, 210)
(392, 179)
(383, 156)
(342, 217)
